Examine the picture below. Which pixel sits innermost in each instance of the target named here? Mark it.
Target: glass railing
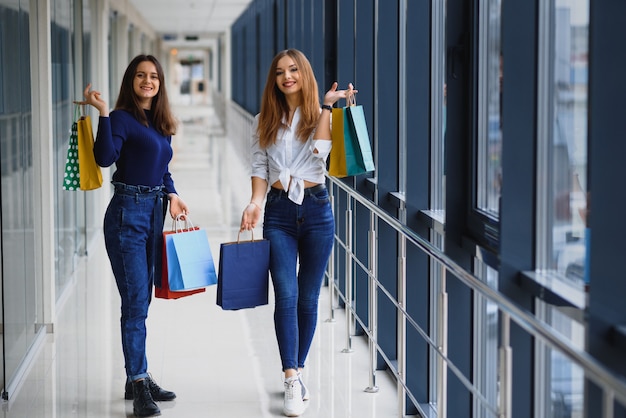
(505, 311)
(613, 386)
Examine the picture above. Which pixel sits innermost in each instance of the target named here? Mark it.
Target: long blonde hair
(274, 105)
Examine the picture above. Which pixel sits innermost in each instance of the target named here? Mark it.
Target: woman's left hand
(177, 206)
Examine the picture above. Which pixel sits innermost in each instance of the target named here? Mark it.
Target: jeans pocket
(271, 199)
(322, 197)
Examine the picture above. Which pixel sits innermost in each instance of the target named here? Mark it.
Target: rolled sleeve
(258, 155)
(323, 147)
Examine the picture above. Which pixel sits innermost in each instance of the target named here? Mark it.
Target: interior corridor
(220, 363)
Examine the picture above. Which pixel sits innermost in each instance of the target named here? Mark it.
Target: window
(486, 147)
(489, 144)
(562, 180)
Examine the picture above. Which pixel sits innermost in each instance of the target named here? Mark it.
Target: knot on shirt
(293, 185)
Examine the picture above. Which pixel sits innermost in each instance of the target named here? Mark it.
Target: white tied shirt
(290, 160)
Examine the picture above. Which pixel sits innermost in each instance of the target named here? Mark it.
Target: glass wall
(437, 189)
(67, 229)
(20, 291)
(563, 192)
(93, 224)
(569, 143)
(563, 179)
(489, 154)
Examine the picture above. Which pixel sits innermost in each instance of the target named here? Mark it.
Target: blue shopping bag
(243, 278)
(189, 260)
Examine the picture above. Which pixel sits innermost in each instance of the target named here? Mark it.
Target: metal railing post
(442, 332)
(506, 368)
(348, 277)
(372, 303)
(401, 339)
(608, 400)
(331, 269)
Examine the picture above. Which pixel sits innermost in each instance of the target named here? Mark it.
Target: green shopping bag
(71, 179)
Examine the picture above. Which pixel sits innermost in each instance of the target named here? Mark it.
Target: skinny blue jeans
(301, 239)
(133, 234)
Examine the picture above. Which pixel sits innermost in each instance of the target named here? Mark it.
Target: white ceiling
(202, 18)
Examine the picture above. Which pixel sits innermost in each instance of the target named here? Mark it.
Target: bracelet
(255, 204)
(329, 108)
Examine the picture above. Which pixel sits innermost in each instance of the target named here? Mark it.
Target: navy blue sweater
(141, 154)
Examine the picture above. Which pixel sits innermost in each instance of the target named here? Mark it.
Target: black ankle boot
(158, 393)
(143, 404)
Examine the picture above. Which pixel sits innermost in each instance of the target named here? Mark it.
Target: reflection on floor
(220, 363)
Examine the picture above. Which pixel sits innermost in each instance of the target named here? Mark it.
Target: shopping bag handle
(182, 219)
(351, 100)
(79, 111)
(239, 234)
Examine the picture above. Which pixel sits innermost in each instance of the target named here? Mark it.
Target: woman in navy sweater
(136, 136)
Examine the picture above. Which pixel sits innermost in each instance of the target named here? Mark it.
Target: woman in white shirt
(290, 145)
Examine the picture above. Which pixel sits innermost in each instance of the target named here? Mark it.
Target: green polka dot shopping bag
(81, 170)
(71, 180)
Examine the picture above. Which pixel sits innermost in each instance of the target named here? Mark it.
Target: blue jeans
(133, 233)
(297, 233)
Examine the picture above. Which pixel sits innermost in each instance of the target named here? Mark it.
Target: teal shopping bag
(189, 260)
(361, 158)
(351, 153)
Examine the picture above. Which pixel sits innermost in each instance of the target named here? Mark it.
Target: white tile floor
(220, 364)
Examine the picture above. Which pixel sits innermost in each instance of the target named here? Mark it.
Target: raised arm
(94, 99)
(330, 98)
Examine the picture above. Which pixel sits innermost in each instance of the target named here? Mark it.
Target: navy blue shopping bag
(243, 274)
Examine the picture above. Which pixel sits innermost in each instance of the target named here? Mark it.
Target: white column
(120, 58)
(224, 62)
(43, 155)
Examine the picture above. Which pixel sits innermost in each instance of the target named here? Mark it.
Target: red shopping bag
(164, 292)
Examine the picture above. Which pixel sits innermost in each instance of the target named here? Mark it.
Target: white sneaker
(305, 390)
(294, 405)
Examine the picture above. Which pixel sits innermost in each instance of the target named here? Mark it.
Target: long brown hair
(162, 117)
(274, 105)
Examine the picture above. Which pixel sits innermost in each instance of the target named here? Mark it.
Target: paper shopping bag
(337, 165)
(363, 157)
(243, 274)
(71, 179)
(90, 174)
(351, 153)
(189, 260)
(162, 289)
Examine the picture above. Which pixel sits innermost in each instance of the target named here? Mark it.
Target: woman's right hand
(250, 217)
(93, 98)
(333, 95)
